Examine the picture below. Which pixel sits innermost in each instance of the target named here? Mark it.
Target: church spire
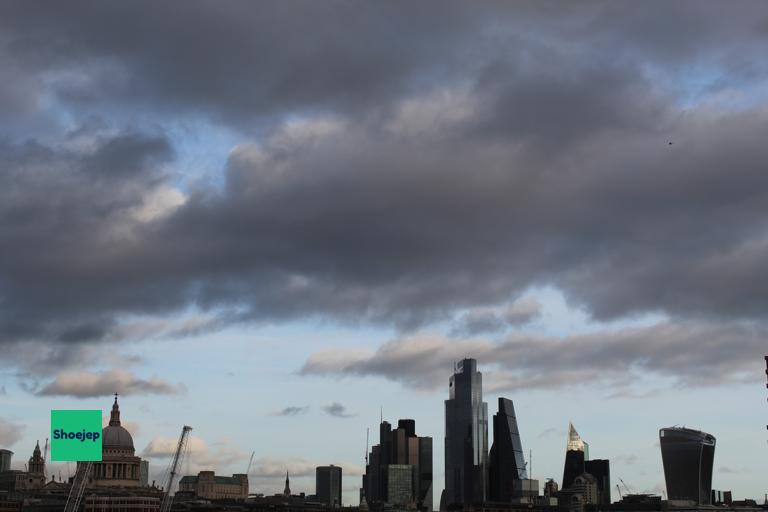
(114, 418)
(36, 463)
(287, 490)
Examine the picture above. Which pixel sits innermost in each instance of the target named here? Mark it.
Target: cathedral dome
(114, 435)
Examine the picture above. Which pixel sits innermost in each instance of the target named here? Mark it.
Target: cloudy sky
(268, 221)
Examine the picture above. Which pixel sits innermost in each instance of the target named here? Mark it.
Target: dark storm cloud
(244, 61)
(392, 180)
(237, 61)
(677, 351)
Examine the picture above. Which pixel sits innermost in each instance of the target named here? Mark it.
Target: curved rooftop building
(688, 456)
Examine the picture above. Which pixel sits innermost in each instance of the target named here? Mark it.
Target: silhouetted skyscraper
(328, 485)
(506, 462)
(688, 456)
(575, 455)
(466, 437)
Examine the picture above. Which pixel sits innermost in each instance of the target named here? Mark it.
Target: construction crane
(170, 479)
(618, 488)
(247, 471)
(78, 486)
(45, 456)
(629, 491)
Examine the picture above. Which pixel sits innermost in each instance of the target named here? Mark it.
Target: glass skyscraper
(466, 437)
(688, 456)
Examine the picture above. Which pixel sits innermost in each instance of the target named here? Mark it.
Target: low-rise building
(209, 486)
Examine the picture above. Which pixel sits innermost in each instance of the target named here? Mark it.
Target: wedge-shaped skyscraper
(506, 461)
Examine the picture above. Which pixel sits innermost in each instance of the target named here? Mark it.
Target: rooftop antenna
(367, 431)
(381, 414)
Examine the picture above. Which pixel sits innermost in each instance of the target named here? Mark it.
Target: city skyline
(257, 217)
(573, 441)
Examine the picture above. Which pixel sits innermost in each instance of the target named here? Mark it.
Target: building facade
(328, 485)
(5, 460)
(466, 437)
(211, 487)
(125, 503)
(506, 461)
(585, 485)
(398, 482)
(688, 456)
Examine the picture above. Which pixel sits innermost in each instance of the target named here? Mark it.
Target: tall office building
(601, 470)
(5, 460)
(575, 455)
(328, 485)
(400, 452)
(688, 456)
(466, 437)
(506, 462)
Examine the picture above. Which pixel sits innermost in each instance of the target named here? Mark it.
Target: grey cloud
(92, 384)
(338, 410)
(292, 411)
(379, 201)
(676, 351)
(10, 432)
(484, 320)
